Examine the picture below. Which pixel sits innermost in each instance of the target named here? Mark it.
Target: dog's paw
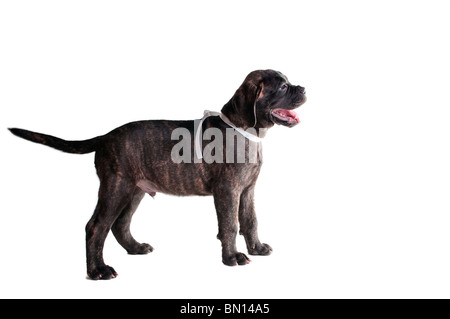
(142, 249)
(236, 259)
(260, 249)
(103, 273)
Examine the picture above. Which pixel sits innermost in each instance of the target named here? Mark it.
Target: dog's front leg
(249, 224)
(226, 200)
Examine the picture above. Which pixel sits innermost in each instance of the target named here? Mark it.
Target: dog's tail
(75, 147)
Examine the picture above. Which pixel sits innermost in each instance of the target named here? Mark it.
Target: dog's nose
(302, 89)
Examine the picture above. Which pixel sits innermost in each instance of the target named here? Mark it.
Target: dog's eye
(283, 87)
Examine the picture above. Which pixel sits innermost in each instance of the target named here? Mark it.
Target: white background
(354, 200)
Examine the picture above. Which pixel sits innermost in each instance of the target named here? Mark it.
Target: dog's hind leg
(114, 195)
(121, 227)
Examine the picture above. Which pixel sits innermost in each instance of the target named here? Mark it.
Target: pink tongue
(291, 114)
(294, 115)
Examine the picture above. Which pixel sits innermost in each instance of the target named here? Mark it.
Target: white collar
(198, 135)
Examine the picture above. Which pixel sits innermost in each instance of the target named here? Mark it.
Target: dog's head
(265, 98)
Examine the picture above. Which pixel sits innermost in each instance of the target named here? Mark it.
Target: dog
(137, 158)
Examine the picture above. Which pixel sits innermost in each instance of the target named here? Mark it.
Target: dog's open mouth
(285, 117)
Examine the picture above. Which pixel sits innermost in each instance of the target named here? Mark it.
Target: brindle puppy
(136, 159)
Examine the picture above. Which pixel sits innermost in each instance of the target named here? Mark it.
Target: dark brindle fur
(136, 158)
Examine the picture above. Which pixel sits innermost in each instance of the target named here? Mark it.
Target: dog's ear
(243, 103)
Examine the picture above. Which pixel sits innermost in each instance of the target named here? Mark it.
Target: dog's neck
(233, 114)
(230, 111)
